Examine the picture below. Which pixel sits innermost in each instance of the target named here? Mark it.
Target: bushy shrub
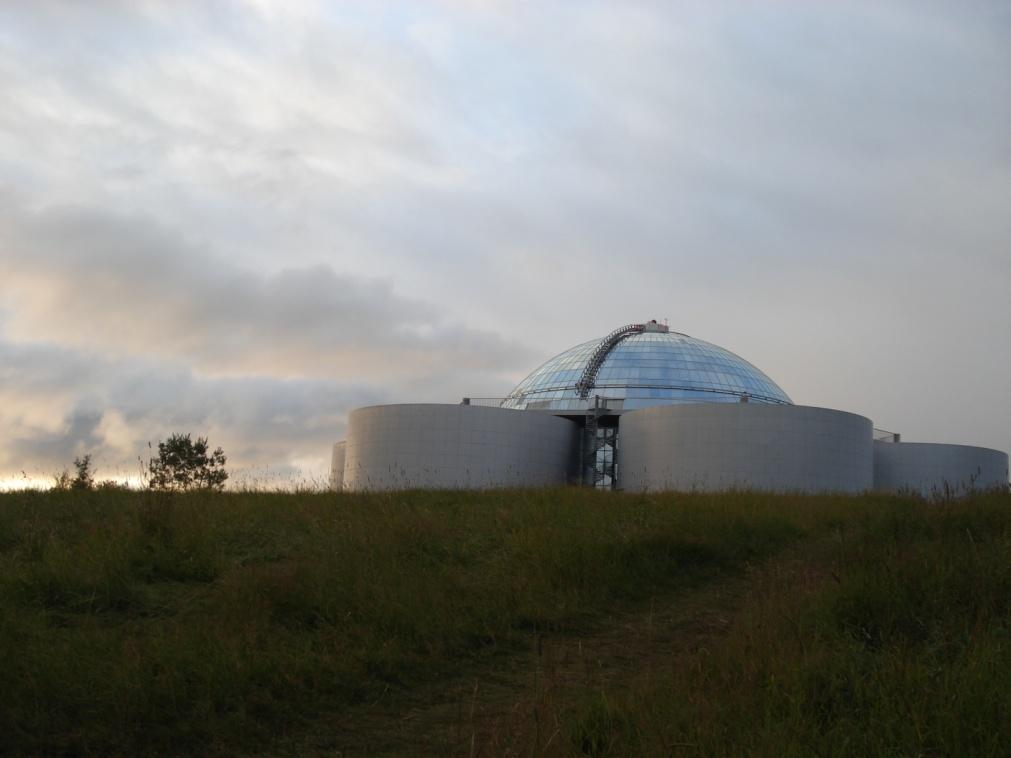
(184, 464)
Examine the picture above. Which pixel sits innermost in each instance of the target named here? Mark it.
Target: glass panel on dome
(649, 368)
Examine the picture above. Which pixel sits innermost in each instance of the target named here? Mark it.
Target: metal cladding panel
(391, 447)
(712, 447)
(937, 470)
(337, 466)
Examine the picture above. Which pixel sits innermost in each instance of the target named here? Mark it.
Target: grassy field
(145, 623)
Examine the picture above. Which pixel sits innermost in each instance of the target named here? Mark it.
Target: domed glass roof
(650, 366)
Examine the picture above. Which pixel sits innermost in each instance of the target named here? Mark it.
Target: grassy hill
(724, 624)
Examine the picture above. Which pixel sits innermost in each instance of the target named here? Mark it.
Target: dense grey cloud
(57, 403)
(123, 285)
(428, 199)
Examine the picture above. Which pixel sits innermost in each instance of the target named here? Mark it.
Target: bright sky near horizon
(244, 219)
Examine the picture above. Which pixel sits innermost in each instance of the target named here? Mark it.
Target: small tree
(61, 480)
(84, 479)
(183, 464)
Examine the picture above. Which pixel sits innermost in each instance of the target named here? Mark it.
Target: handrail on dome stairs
(589, 375)
(594, 472)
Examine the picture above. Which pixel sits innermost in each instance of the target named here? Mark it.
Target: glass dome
(643, 368)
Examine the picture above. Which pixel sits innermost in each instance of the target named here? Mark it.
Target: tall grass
(137, 621)
(145, 623)
(894, 639)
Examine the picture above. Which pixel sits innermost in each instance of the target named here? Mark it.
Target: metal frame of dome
(738, 379)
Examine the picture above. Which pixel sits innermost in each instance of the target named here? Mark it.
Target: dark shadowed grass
(134, 622)
(896, 640)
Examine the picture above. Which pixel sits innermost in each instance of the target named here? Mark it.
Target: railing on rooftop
(881, 435)
(484, 402)
(578, 404)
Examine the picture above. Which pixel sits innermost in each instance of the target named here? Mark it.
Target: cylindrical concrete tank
(720, 446)
(936, 470)
(337, 466)
(456, 447)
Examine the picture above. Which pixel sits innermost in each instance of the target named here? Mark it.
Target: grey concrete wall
(720, 446)
(456, 446)
(337, 466)
(936, 470)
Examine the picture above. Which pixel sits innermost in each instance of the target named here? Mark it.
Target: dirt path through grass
(526, 703)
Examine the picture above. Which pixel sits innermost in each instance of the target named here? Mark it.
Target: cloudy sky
(243, 219)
